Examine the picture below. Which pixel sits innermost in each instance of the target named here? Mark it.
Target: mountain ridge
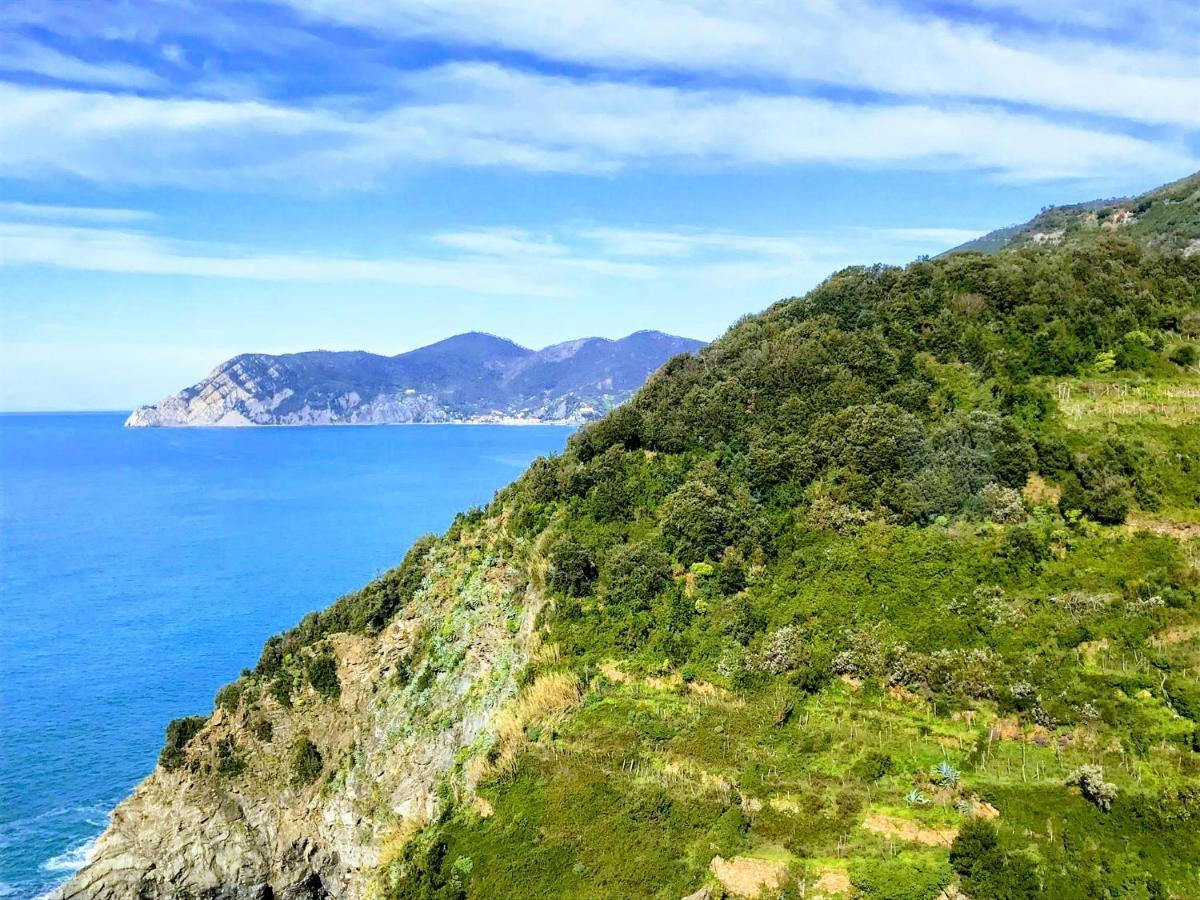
(472, 377)
(1165, 216)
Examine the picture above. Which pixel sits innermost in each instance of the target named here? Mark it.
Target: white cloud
(486, 115)
(868, 44)
(101, 214)
(20, 55)
(508, 262)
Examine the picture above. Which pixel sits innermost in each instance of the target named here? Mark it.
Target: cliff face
(469, 378)
(300, 785)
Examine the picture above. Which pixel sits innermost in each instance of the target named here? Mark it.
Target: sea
(141, 569)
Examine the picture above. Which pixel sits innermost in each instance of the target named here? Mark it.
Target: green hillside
(1167, 217)
(861, 598)
(891, 592)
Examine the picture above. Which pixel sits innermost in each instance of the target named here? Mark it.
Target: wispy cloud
(101, 214)
(516, 262)
(19, 55)
(868, 44)
(491, 116)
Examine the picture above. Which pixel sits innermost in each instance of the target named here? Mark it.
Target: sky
(185, 180)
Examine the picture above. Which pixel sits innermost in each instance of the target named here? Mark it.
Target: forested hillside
(892, 588)
(893, 592)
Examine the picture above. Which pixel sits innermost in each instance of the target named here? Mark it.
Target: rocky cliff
(468, 378)
(314, 769)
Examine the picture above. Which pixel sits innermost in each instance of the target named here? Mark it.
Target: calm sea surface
(141, 569)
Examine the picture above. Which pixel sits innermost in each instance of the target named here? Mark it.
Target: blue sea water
(141, 569)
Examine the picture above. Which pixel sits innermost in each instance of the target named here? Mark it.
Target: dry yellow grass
(542, 703)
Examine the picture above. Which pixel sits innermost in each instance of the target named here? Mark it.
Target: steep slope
(466, 378)
(1168, 216)
(892, 590)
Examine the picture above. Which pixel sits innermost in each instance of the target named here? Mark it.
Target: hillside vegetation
(891, 592)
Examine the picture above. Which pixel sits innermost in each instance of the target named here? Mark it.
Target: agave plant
(916, 798)
(945, 774)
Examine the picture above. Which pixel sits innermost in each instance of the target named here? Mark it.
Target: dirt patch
(900, 692)
(909, 830)
(747, 877)
(1039, 492)
(1006, 730)
(612, 673)
(667, 683)
(833, 881)
(983, 810)
(1180, 531)
(1180, 634)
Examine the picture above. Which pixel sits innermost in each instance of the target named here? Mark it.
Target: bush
(571, 571)
(1090, 781)
(229, 696)
(179, 732)
(1003, 504)
(987, 872)
(1185, 355)
(306, 761)
(323, 676)
(636, 574)
(872, 766)
(900, 878)
(229, 761)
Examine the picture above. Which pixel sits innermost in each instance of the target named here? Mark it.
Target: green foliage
(306, 761)
(323, 676)
(230, 696)
(987, 872)
(571, 571)
(873, 765)
(230, 761)
(911, 878)
(841, 487)
(1185, 355)
(179, 732)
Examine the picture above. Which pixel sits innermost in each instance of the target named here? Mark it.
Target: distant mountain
(471, 377)
(1167, 217)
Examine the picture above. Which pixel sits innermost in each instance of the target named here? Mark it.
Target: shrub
(229, 696)
(873, 766)
(782, 650)
(306, 761)
(900, 878)
(179, 732)
(1090, 781)
(281, 689)
(571, 571)
(636, 573)
(229, 761)
(1185, 355)
(323, 676)
(728, 834)
(1003, 504)
(986, 870)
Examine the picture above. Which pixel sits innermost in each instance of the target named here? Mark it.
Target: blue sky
(183, 180)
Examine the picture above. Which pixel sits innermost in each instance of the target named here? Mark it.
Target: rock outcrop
(239, 818)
